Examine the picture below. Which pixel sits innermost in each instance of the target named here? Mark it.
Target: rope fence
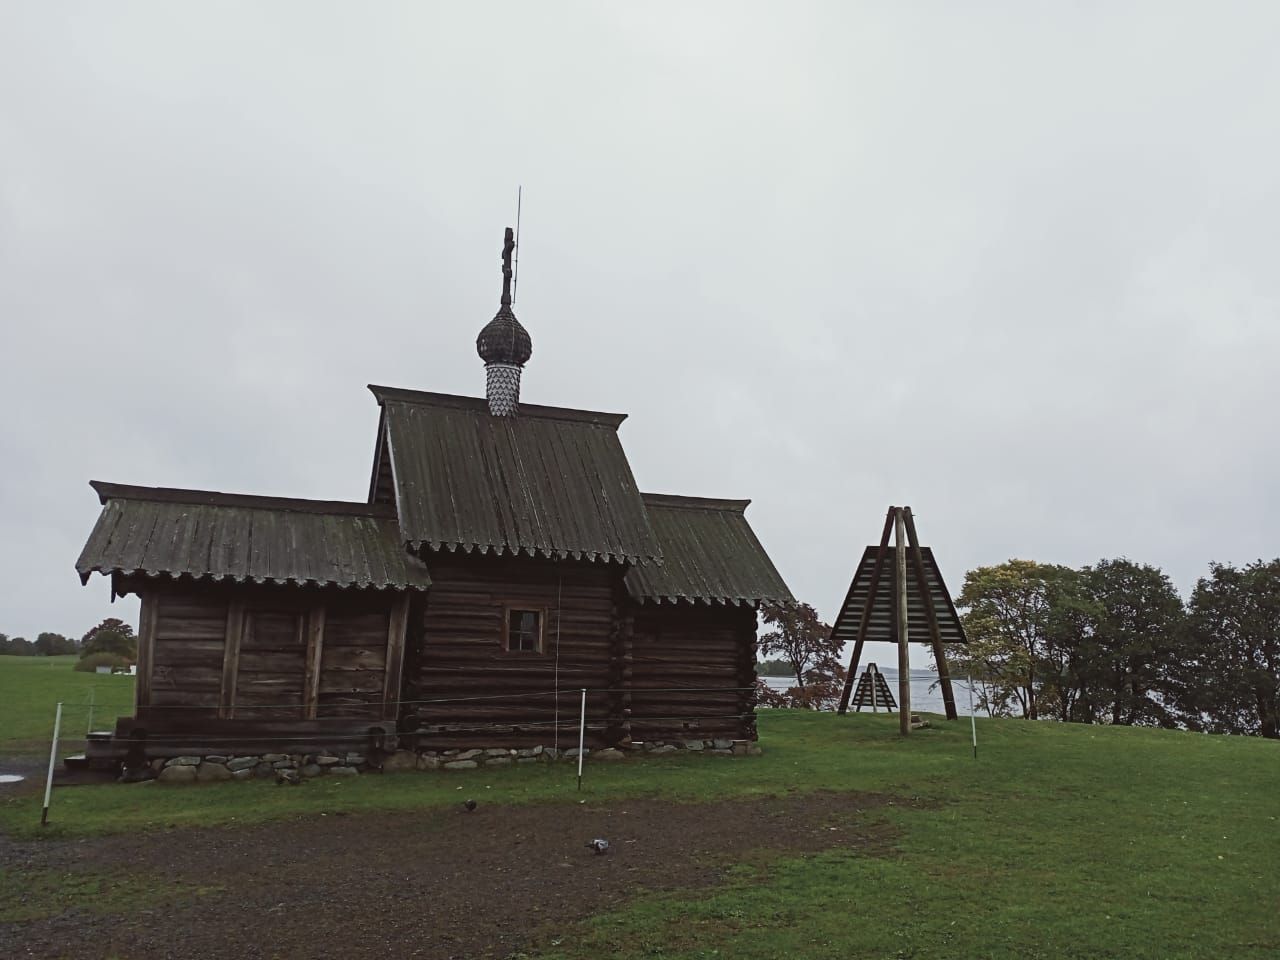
(298, 704)
(70, 714)
(72, 711)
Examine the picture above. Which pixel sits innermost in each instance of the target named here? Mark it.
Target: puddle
(11, 778)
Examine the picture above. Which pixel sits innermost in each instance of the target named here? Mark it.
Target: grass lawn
(31, 686)
(1059, 841)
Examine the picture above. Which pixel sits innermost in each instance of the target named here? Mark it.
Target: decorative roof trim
(418, 547)
(385, 395)
(672, 600)
(213, 498)
(694, 503)
(108, 570)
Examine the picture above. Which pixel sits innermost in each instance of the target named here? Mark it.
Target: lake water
(925, 697)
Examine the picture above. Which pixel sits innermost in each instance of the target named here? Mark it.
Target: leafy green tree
(1012, 618)
(1229, 677)
(1129, 652)
(17, 646)
(110, 636)
(54, 645)
(1064, 649)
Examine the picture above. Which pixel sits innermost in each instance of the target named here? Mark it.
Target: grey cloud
(1011, 265)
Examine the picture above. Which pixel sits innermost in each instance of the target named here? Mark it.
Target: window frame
(510, 608)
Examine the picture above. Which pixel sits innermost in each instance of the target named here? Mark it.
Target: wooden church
(503, 561)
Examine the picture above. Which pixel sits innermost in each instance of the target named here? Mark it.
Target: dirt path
(441, 883)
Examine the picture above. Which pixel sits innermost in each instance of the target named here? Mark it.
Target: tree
(54, 645)
(1229, 678)
(1064, 657)
(804, 642)
(1132, 646)
(774, 668)
(17, 646)
(800, 639)
(1013, 616)
(110, 636)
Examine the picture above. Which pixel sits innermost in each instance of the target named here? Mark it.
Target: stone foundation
(292, 768)
(281, 767)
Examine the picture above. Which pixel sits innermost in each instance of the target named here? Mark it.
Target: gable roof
(550, 481)
(205, 535)
(709, 553)
(880, 623)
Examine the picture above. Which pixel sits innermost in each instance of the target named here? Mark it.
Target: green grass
(31, 686)
(1059, 841)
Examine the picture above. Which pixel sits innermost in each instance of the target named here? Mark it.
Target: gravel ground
(440, 883)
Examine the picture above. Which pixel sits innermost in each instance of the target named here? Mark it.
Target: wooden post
(315, 655)
(395, 657)
(871, 670)
(904, 656)
(146, 650)
(231, 658)
(865, 621)
(931, 616)
(627, 674)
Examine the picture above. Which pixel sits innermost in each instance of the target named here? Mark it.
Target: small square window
(524, 631)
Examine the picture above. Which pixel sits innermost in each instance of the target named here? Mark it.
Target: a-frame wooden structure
(873, 691)
(887, 605)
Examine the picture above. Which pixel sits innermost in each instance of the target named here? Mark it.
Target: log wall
(285, 657)
(693, 668)
(456, 652)
(353, 663)
(187, 649)
(229, 662)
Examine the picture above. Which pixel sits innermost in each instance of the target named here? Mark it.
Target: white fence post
(973, 723)
(582, 734)
(53, 758)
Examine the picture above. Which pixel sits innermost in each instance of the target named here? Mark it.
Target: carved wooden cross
(508, 245)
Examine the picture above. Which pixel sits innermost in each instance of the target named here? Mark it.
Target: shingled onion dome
(504, 346)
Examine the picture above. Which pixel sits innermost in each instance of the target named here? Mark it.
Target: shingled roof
(549, 482)
(710, 553)
(880, 628)
(205, 535)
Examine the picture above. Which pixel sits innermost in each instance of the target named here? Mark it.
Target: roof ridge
(214, 498)
(694, 503)
(481, 405)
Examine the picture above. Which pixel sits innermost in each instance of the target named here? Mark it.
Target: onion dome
(504, 339)
(504, 346)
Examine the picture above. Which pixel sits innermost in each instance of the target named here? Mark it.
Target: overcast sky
(1012, 264)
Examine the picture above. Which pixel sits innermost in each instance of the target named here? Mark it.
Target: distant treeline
(111, 643)
(45, 645)
(1108, 643)
(1114, 643)
(775, 668)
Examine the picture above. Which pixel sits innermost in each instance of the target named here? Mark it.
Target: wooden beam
(626, 675)
(396, 630)
(231, 658)
(865, 620)
(904, 653)
(315, 652)
(931, 616)
(146, 647)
